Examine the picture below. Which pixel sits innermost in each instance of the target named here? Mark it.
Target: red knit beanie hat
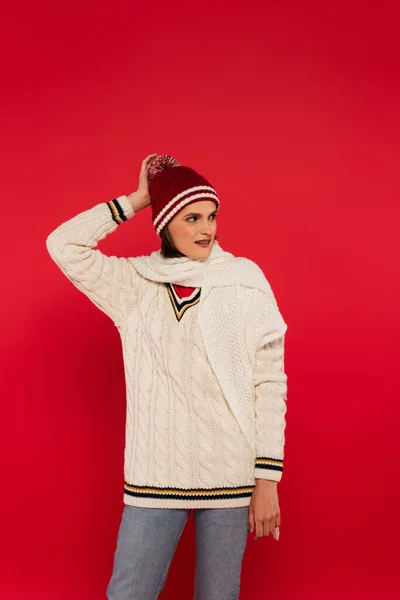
(173, 186)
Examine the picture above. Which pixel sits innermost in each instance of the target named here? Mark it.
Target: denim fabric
(146, 542)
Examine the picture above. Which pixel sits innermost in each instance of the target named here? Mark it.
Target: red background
(291, 109)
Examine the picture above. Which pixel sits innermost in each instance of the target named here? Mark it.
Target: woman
(203, 349)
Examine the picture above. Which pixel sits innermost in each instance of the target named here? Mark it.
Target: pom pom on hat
(161, 162)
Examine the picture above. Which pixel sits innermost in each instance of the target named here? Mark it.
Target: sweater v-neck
(183, 290)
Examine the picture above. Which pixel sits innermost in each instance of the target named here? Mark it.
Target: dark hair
(168, 250)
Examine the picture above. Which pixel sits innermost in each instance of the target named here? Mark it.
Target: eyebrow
(192, 214)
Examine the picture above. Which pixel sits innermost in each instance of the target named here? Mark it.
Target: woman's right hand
(141, 198)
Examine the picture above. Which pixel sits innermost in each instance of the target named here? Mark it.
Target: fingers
(257, 523)
(146, 163)
(251, 520)
(143, 175)
(263, 526)
(259, 529)
(149, 158)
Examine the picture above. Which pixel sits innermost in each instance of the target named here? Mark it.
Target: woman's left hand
(264, 511)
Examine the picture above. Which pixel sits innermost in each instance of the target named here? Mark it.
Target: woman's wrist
(265, 482)
(137, 200)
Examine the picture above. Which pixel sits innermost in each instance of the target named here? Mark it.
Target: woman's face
(193, 223)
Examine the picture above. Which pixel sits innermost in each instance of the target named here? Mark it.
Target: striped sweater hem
(174, 497)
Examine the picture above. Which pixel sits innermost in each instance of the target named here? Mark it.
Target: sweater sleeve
(108, 281)
(270, 382)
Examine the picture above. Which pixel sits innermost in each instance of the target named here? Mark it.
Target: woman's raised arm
(108, 281)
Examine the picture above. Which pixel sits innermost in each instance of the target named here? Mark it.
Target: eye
(213, 216)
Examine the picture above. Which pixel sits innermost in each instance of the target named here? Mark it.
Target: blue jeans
(148, 537)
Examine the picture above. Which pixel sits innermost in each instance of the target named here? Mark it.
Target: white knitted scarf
(220, 276)
(218, 269)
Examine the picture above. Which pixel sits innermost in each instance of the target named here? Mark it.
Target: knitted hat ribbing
(173, 186)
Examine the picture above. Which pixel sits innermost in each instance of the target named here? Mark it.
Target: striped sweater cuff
(268, 468)
(120, 209)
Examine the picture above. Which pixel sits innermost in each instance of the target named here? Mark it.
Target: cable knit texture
(206, 389)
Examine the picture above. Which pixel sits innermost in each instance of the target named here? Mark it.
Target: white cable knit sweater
(205, 405)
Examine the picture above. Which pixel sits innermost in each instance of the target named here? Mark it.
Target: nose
(207, 229)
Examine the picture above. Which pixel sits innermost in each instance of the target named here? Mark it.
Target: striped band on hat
(180, 200)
